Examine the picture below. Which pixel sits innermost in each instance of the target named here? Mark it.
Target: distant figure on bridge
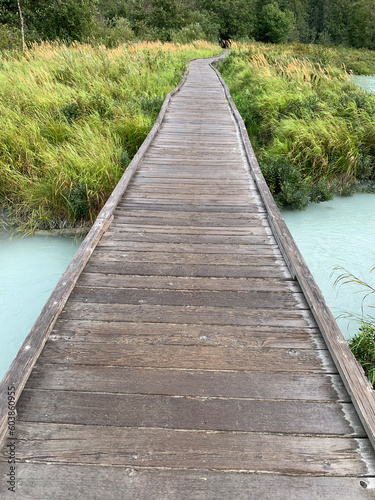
(225, 43)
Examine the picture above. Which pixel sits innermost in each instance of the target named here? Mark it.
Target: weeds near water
(71, 119)
(362, 344)
(312, 129)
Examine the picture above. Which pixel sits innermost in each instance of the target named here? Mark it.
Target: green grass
(71, 119)
(312, 129)
(362, 344)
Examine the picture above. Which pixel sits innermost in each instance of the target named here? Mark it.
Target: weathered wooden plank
(187, 357)
(186, 179)
(185, 283)
(83, 444)
(198, 383)
(169, 333)
(201, 188)
(192, 413)
(186, 258)
(237, 299)
(109, 242)
(190, 207)
(188, 315)
(191, 270)
(117, 234)
(194, 221)
(129, 483)
(200, 230)
(251, 218)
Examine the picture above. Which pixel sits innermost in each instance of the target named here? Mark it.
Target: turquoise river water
(30, 267)
(340, 232)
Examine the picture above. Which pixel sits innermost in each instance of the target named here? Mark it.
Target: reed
(71, 118)
(310, 126)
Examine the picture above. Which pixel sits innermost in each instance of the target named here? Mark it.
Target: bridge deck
(186, 363)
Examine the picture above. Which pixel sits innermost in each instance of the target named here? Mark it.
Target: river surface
(338, 232)
(366, 83)
(30, 267)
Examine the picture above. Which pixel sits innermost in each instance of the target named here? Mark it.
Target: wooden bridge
(187, 353)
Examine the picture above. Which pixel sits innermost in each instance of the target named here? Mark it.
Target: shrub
(305, 118)
(362, 346)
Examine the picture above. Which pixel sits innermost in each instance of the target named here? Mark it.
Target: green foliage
(362, 346)
(112, 22)
(112, 32)
(77, 200)
(312, 129)
(236, 18)
(10, 37)
(289, 187)
(64, 19)
(71, 118)
(275, 25)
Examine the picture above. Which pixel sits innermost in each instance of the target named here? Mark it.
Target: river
(30, 267)
(340, 232)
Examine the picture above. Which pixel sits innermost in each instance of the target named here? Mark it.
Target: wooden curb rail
(352, 374)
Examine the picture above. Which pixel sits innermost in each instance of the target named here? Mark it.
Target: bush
(362, 346)
(275, 25)
(312, 129)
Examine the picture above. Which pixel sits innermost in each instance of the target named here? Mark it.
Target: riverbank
(312, 129)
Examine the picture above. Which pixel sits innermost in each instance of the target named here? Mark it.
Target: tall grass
(71, 118)
(311, 127)
(362, 344)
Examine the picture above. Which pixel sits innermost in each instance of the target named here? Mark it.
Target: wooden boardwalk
(187, 362)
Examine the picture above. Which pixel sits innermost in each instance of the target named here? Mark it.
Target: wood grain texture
(194, 413)
(130, 483)
(187, 357)
(198, 383)
(104, 445)
(117, 332)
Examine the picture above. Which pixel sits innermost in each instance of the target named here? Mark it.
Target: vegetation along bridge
(187, 353)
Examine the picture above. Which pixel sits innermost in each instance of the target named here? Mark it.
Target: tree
(22, 26)
(237, 18)
(362, 24)
(163, 18)
(65, 19)
(275, 25)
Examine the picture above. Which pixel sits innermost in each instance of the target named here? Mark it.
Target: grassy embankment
(71, 118)
(312, 129)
